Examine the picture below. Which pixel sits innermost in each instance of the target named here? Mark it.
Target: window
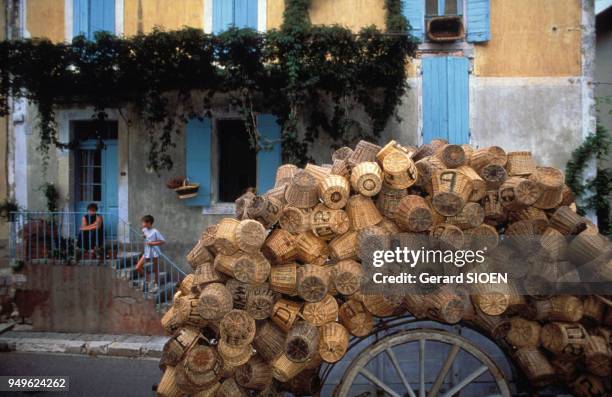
(237, 13)
(90, 175)
(91, 16)
(443, 7)
(237, 160)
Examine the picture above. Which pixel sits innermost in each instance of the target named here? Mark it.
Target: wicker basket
(285, 313)
(479, 186)
(388, 199)
(167, 386)
(426, 168)
(499, 155)
(283, 279)
(382, 305)
(344, 246)
(429, 149)
(342, 153)
(593, 313)
(326, 223)
(587, 246)
(444, 306)
(169, 321)
(186, 310)
(250, 235)
(518, 193)
(364, 151)
(269, 341)
(494, 210)
(238, 291)
(277, 194)
(451, 190)
(347, 276)
(480, 158)
(400, 172)
(362, 212)
(587, 385)
(535, 366)
(366, 178)
(284, 369)
(206, 273)
(567, 221)
(355, 318)
(265, 209)
(188, 190)
(200, 370)
(472, 215)
(559, 308)
(302, 342)
(598, 356)
(482, 236)
(234, 356)
(284, 174)
(312, 282)
(452, 156)
(209, 237)
(341, 168)
(237, 328)
(225, 236)
(413, 214)
(551, 181)
(229, 388)
(294, 220)
(334, 342)
(523, 333)
(175, 348)
(279, 247)
(199, 254)
(317, 171)
(260, 301)
(242, 203)
(302, 192)
(494, 175)
(334, 191)
(520, 164)
(225, 263)
(391, 147)
(215, 301)
(323, 312)
(311, 249)
(256, 374)
(252, 268)
(564, 339)
(449, 237)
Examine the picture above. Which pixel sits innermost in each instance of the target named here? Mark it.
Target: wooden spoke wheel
(389, 345)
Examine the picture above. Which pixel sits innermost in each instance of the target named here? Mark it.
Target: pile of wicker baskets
(276, 291)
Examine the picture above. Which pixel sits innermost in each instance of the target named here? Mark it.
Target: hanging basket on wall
(188, 190)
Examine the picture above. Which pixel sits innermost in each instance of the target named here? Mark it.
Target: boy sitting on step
(153, 239)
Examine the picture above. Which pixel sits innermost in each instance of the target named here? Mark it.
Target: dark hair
(92, 206)
(148, 219)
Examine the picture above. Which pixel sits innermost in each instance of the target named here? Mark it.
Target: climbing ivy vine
(315, 79)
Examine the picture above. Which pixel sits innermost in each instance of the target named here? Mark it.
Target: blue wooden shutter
(269, 157)
(90, 16)
(245, 13)
(198, 158)
(446, 99)
(414, 11)
(223, 15)
(478, 24)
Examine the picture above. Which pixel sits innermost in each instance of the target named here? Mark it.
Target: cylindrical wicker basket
(479, 186)
(480, 158)
(494, 210)
(206, 273)
(444, 306)
(279, 247)
(341, 168)
(452, 156)
(323, 312)
(383, 305)
(471, 215)
(285, 313)
(447, 236)
(302, 192)
(598, 356)
(388, 199)
(284, 369)
(362, 212)
(413, 214)
(344, 246)
(520, 163)
(225, 263)
(535, 366)
(334, 342)
(294, 220)
(566, 339)
(587, 385)
(400, 172)
(229, 388)
(327, 223)
(551, 181)
(215, 301)
(587, 246)
(199, 254)
(252, 268)
(517, 193)
(318, 172)
(334, 191)
(366, 178)
(284, 174)
(269, 341)
(493, 175)
(283, 279)
(347, 276)
(341, 153)
(237, 328)
(256, 374)
(391, 147)
(302, 342)
(265, 209)
(355, 318)
(167, 386)
(234, 356)
(567, 222)
(225, 237)
(451, 190)
(364, 151)
(311, 249)
(523, 333)
(312, 282)
(559, 308)
(260, 301)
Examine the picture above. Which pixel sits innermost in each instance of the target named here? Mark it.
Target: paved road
(89, 376)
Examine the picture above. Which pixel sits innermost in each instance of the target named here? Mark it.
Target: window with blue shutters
(91, 16)
(234, 13)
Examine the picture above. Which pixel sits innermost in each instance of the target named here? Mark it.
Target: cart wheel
(421, 336)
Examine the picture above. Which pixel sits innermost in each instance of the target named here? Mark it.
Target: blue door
(96, 176)
(446, 99)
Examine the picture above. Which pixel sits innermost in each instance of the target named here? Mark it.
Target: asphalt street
(89, 376)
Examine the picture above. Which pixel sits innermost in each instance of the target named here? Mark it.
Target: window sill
(220, 209)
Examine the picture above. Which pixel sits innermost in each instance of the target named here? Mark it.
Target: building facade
(518, 75)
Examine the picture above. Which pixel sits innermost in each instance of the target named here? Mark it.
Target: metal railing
(56, 238)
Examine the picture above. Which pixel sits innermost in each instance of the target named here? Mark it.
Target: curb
(127, 346)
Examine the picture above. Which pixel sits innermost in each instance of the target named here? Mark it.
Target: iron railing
(56, 238)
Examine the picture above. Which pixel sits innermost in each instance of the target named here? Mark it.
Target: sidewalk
(133, 346)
